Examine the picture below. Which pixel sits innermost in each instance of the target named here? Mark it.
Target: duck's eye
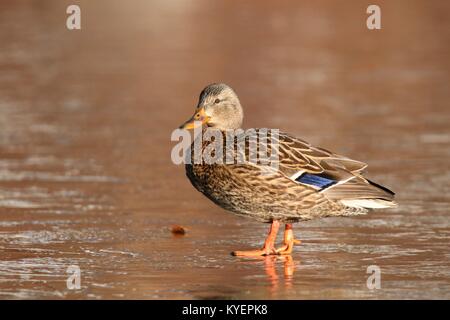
(217, 101)
(197, 116)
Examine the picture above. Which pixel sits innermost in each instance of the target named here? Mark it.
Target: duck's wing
(297, 156)
(336, 176)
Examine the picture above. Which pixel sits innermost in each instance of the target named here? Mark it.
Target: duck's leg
(269, 244)
(289, 240)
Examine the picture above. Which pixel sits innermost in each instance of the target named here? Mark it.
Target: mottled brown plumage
(245, 190)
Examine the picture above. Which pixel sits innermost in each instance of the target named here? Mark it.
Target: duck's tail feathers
(384, 200)
(390, 192)
(360, 192)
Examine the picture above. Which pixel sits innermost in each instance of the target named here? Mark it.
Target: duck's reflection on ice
(270, 265)
(273, 264)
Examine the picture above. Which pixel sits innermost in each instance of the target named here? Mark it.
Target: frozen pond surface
(85, 172)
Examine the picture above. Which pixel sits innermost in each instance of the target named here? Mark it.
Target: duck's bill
(197, 120)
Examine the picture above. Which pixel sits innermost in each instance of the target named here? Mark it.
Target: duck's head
(218, 107)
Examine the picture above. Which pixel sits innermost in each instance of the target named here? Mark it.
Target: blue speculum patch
(315, 180)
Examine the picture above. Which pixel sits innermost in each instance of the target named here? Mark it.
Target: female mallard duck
(307, 183)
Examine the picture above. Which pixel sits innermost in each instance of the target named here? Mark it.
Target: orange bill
(198, 119)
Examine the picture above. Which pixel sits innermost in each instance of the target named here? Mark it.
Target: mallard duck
(308, 183)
